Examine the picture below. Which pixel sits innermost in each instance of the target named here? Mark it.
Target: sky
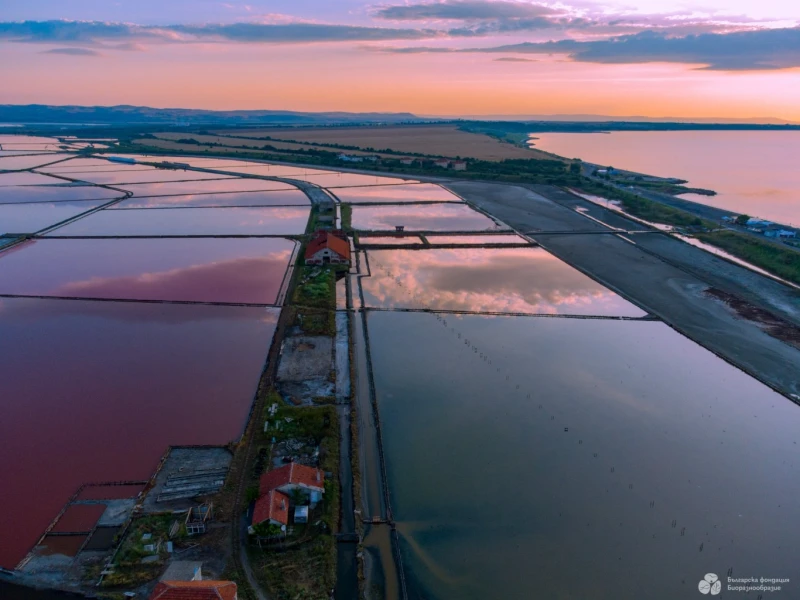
(656, 58)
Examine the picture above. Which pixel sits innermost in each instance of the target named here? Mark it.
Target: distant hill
(143, 115)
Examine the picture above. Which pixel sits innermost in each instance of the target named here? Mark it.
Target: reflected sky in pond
(650, 459)
(423, 217)
(200, 270)
(199, 221)
(392, 194)
(54, 193)
(336, 180)
(476, 239)
(27, 140)
(97, 391)
(90, 164)
(274, 170)
(405, 240)
(35, 216)
(10, 163)
(293, 197)
(205, 163)
(208, 186)
(507, 280)
(27, 178)
(136, 176)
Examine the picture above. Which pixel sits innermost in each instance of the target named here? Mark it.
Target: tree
(742, 219)
(575, 168)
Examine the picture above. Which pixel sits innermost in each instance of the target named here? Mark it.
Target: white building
(348, 158)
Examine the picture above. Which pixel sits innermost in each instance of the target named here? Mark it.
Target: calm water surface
(291, 197)
(15, 592)
(91, 164)
(394, 194)
(476, 239)
(506, 280)
(12, 138)
(123, 381)
(54, 193)
(11, 163)
(27, 178)
(391, 240)
(650, 462)
(273, 170)
(753, 172)
(208, 186)
(423, 217)
(336, 180)
(249, 270)
(198, 221)
(140, 176)
(35, 216)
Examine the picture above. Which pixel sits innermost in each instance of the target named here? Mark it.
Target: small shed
(301, 514)
(197, 518)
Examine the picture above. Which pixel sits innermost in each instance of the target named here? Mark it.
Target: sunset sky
(697, 58)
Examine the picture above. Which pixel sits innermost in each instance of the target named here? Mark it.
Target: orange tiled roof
(292, 473)
(325, 239)
(273, 505)
(194, 590)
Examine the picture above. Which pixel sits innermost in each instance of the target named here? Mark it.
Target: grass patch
(665, 187)
(770, 256)
(347, 216)
(316, 288)
(306, 572)
(306, 422)
(313, 321)
(313, 219)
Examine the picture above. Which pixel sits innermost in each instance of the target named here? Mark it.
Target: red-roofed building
(328, 247)
(273, 508)
(195, 590)
(292, 477)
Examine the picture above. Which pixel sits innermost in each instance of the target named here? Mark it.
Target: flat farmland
(226, 144)
(439, 140)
